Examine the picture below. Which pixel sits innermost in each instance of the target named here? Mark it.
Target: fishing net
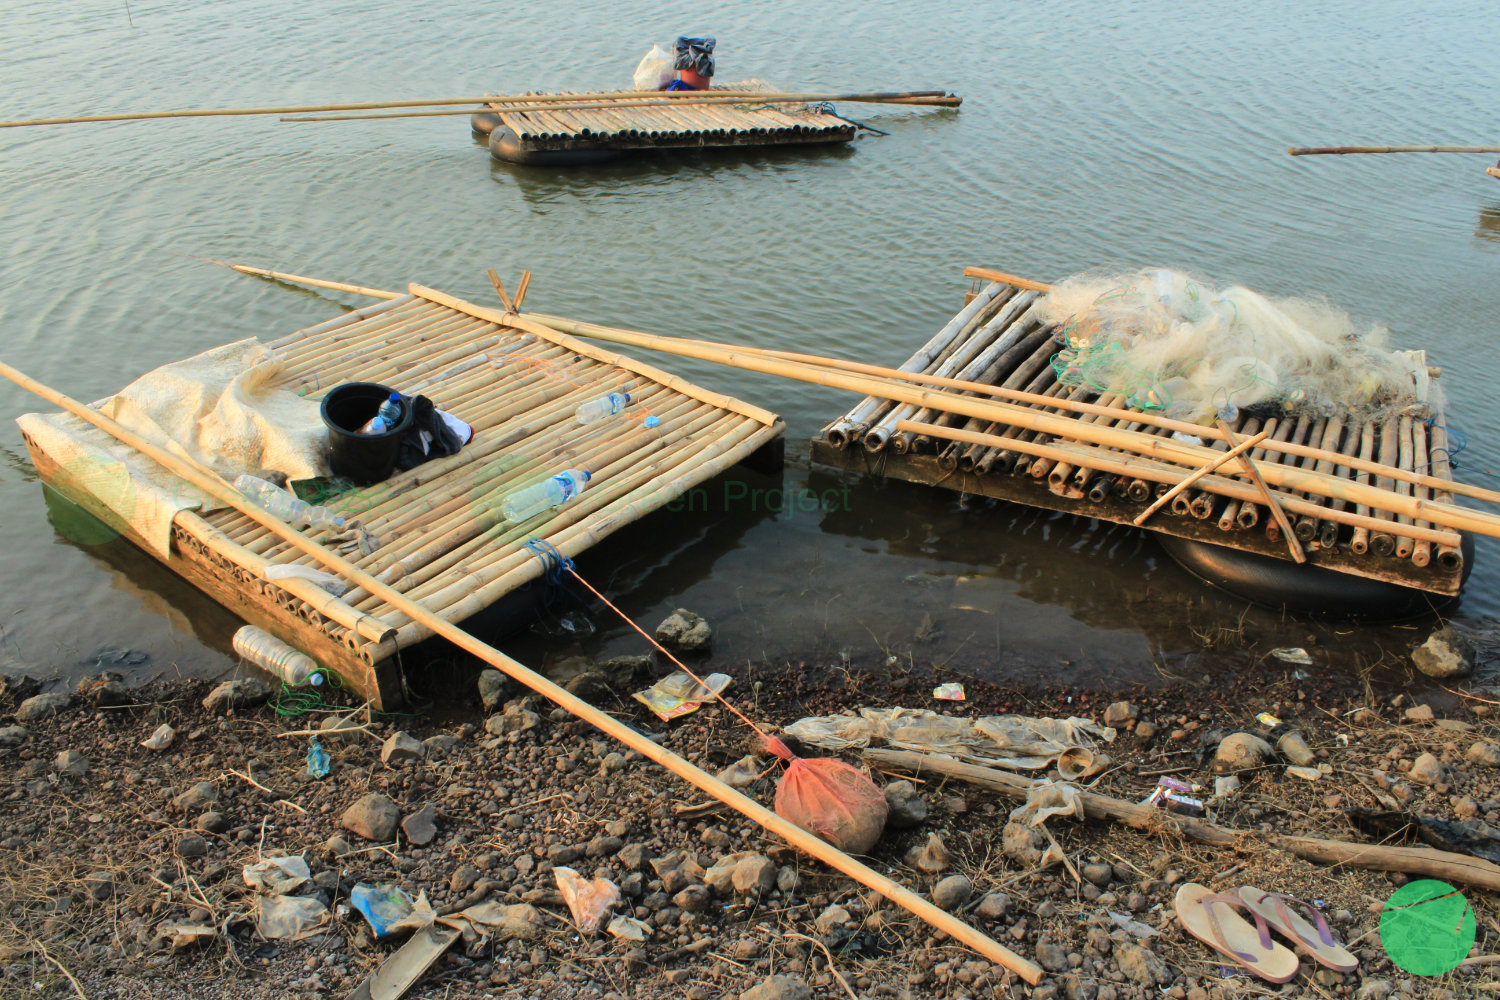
(830, 798)
(1172, 344)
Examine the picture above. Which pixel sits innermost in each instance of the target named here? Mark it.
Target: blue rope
(1452, 432)
(553, 561)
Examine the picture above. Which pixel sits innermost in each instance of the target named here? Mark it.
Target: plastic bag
(656, 69)
(696, 54)
(830, 798)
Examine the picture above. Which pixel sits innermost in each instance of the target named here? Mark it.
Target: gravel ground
(107, 846)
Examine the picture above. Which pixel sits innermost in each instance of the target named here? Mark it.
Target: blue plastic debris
(318, 762)
(382, 905)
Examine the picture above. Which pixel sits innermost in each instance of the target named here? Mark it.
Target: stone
(603, 846)
(994, 906)
(1427, 770)
(104, 691)
(19, 687)
(1141, 966)
(191, 846)
(831, 919)
(634, 856)
(1021, 844)
(1446, 653)
(787, 879)
(1099, 873)
(755, 875)
(421, 826)
(71, 763)
(202, 794)
(622, 671)
(442, 743)
(43, 706)
(13, 736)
(693, 899)
(742, 773)
(720, 878)
(211, 822)
(904, 807)
(1120, 714)
(684, 631)
(493, 687)
(1145, 730)
(245, 692)
(401, 748)
(1239, 752)
(931, 857)
(779, 988)
(1052, 956)
(610, 763)
(1375, 989)
(373, 817)
(340, 728)
(517, 718)
(1484, 754)
(1419, 714)
(100, 884)
(337, 846)
(564, 854)
(952, 892)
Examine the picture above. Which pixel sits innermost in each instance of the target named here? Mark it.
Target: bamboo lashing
(793, 834)
(1166, 497)
(1346, 150)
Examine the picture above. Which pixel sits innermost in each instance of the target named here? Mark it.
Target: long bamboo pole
(1342, 150)
(708, 98)
(904, 97)
(1198, 474)
(793, 834)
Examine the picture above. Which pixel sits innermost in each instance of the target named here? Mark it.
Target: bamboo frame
(1166, 497)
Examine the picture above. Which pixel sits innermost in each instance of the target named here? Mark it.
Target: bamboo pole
(792, 833)
(703, 98)
(1345, 150)
(1166, 497)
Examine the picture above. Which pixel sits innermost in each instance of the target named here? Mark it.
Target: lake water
(1093, 135)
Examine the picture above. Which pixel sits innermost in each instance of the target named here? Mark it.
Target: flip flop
(1313, 938)
(1211, 918)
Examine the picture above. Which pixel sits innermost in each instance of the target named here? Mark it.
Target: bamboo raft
(544, 135)
(1065, 459)
(442, 541)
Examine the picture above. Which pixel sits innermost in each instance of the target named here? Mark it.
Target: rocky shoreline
(125, 865)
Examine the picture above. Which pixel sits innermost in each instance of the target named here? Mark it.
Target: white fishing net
(1175, 345)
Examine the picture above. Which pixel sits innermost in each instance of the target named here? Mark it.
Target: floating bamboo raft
(1066, 459)
(441, 539)
(535, 135)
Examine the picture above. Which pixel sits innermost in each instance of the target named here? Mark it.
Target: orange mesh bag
(834, 800)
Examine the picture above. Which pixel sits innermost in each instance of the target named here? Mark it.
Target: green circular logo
(1427, 927)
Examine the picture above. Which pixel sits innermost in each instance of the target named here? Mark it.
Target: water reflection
(1488, 225)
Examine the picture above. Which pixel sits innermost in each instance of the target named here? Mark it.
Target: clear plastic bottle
(526, 504)
(604, 406)
(294, 511)
(388, 416)
(274, 656)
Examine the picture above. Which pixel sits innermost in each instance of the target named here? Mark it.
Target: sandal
(1313, 938)
(1211, 918)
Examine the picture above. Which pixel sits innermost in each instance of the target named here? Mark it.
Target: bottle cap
(651, 421)
(315, 679)
(587, 475)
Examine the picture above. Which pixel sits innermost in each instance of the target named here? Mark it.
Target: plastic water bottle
(525, 504)
(293, 510)
(605, 406)
(274, 656)
(387, 417)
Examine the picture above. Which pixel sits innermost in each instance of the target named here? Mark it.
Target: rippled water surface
(1092, 135)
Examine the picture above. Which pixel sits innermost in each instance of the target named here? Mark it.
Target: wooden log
(1347, 150)
(1462, 868)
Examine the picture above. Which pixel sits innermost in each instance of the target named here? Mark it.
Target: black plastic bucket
(364, 458)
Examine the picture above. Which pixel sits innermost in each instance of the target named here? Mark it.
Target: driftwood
(1446, 865)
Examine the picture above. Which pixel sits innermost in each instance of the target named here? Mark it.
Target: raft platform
(441, 540)
(998, 340)
(543, 137)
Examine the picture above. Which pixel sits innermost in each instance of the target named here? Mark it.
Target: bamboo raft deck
(998, 340)
(442, 540)
(531, 134)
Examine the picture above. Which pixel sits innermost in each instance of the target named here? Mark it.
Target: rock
(1145, 730)
(622, 671)
(742, 773)
(1052, 956)
(1427, 770)
(493, 687)
(1375, 989)
(340, 728)
(905, 808)
(1119, 715)
(1241, 751)
(1021, 844)
(517, 718)
(1419, 714)
(211, 822)
(610, 763)
(693, 899)
(401, 748)
(43, 706)
(684, 631)
(100, 884)
(931, 857)
(1141, 966)
(787, 879)
(1100, 874)
(634, 856)
(191, 846)
(421, 826)
(19, 687)
(952, 892)
(779, 988)
(994, 906)
(246, 692)
(755, 874)
(337, 846)
(14, 736)
(442, 743)
(831, 919)
(1446, 653)
(603, 847)
(202, 794)
(373, 817)
(104, 691)
(720, 878)
(1481, 753)
(71, 763)
(564, 854)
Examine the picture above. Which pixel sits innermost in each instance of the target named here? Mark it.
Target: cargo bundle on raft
(1017, 411)
(436, 533)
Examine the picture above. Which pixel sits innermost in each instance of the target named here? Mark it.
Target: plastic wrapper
(587, 901)
(656, 69)
(277, 876)
(677, 694)
(696, 54)
(289, 918)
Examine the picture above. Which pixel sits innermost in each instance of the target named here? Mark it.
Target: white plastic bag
(656, 69)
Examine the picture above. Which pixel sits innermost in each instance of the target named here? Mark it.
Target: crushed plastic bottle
(274, 656)
(526, 504)
(604, 406)
(388, 416)
(293, 510)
